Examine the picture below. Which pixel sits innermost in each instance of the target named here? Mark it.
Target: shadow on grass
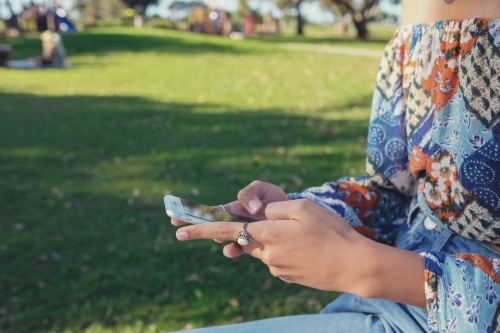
(130, 41)
(79, 247)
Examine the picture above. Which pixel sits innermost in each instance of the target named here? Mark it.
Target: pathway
(354, 51)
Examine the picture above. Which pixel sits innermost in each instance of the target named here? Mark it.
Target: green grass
(87, 153)
(330, 35)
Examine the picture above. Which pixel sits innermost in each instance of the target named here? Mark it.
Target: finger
(223, 231)
(232, 250)
(249, 197)
(255, 249)
(289, 210)
(220, 240)
(177, 222)
(235, 207)
(287, 278)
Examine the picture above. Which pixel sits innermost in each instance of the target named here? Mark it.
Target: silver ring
(222, 207)
(243, 238)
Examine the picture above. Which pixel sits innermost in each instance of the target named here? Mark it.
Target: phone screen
(205, 212)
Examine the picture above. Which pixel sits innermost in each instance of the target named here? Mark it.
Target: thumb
(249, 197)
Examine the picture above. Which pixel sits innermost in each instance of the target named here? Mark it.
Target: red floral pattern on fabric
(488, 265)
(361, 199)
(443, 83)
(418, 161)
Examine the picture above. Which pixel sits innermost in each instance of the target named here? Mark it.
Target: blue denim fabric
(416, 237)
(352, 314)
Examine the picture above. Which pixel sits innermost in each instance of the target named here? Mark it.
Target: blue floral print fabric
(434, 140)
(462, 293)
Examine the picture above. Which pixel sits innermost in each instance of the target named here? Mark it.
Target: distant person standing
(41, 19)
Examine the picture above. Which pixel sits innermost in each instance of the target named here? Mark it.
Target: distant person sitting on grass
(53, 54)
(415, 243)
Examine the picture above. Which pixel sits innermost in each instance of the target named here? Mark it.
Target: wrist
(361, 279)
(390, 273)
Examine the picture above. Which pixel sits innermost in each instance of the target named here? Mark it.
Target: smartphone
(193, 212)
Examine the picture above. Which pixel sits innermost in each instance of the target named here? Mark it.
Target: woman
(54, 52)
(432, 190)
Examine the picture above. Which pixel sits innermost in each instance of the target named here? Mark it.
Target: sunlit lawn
(87, 153)
(331, 35)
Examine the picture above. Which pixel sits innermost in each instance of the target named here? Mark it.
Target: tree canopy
(361, 11)
(282, 4)
(139, 3)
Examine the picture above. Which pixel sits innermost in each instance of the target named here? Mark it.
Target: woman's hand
(304, 243)
(252, 200)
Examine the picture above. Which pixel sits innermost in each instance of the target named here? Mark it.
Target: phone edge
(182, 217)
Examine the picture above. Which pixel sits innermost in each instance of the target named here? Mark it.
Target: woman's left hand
(307, 244)
(302, 242)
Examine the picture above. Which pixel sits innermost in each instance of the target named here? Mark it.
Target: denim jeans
(352, 314)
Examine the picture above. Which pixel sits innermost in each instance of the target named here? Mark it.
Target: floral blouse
(434, 141)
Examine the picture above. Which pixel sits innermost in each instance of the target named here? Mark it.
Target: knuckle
(224, 233)
(286, 279)
(241, 194)
(270, 209)
(274, 271)
(268, 258)
(193, 233)
(256, 183)
(245, 192)
(266, 234)
(303, 205)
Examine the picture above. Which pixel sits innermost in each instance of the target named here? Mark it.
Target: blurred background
(125, 101)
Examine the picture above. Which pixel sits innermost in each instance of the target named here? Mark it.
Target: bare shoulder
(427, 11)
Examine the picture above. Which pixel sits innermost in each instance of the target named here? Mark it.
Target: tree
(109, 10)
(243, 8)
(339, 12)
(89, 8)
(362, 11)
(140, 5)
(282, 4)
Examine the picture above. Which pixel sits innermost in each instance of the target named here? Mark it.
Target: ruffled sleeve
(378, 203)
(372, 211)
(462, 292)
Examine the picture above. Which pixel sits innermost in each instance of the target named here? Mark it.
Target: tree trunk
(360, 22)
(300, 22)
(342, 24)
(90, 13)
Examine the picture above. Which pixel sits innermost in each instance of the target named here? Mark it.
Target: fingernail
(254, 206)
(182, 235)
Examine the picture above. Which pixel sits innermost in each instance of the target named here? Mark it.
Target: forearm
(388, 273)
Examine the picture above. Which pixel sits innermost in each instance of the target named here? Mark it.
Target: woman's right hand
(253, 199)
